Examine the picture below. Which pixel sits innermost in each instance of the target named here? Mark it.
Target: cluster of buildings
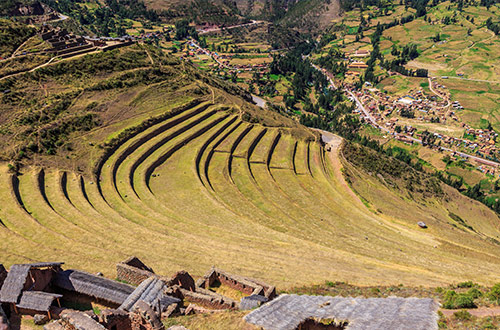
(65, 44)
(441, 90)
(138, 300)
(488, 170)
(380, 107)
(413, 105)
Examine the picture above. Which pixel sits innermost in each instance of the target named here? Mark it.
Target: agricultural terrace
(203, 187)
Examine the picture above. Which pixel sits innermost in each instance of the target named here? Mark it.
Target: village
(394, 115)
(390, 111)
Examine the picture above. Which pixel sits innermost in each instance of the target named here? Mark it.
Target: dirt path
(478, 80)
(149, 56)
(56, 59)
(478, 312)
(17, 49)
(436, 93)
(229, 27)
(333, 144)
(31, 70)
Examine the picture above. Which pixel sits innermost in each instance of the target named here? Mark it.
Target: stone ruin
(65, 44)
(142, 306)
(258, 292)
(133, 271)
(240, 283)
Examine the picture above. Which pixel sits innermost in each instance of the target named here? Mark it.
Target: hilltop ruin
(138, 299)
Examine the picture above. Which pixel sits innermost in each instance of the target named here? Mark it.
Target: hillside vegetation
(12, 35)
(153, 158)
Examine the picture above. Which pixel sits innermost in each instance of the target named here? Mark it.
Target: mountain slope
(221, 12)
(311, 15)
(156, 159)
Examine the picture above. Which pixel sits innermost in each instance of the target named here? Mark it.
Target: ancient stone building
(133, 271)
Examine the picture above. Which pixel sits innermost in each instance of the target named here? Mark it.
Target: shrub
(442, 321)
(462, 315)
(329, 283)
(463, 300)
(468, 284)
(474, 293)
(494, 294)
(453, 300)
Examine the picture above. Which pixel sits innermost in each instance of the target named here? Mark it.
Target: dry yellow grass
(197, 194)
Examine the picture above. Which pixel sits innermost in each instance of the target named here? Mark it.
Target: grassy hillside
(197, 181)
(219, 12)
(311, 15)
(12, 35)
(132, 152)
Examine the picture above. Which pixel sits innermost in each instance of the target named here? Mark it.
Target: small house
(24, 284)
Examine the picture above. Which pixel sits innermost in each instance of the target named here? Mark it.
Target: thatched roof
(151, 292)
(45, 264)
(54, 325)
(37, 300)
(81, 321)
(94, 286)
(288, 311)
(16, 278)
(14, 283)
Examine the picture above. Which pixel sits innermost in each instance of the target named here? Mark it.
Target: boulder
(172, 309)
(40, 319)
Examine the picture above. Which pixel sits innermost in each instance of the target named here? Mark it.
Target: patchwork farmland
(204, 188)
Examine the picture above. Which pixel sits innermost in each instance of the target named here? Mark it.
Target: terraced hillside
(131, 152)
(205, 188)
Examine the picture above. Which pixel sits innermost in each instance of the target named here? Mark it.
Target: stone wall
(3, 274)
(183, 280)
(115, 319)
(246, 285)
(145, 318)
(131, 275)
(208, 299)
(238, 285)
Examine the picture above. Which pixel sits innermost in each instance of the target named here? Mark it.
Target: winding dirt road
(229, 27)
